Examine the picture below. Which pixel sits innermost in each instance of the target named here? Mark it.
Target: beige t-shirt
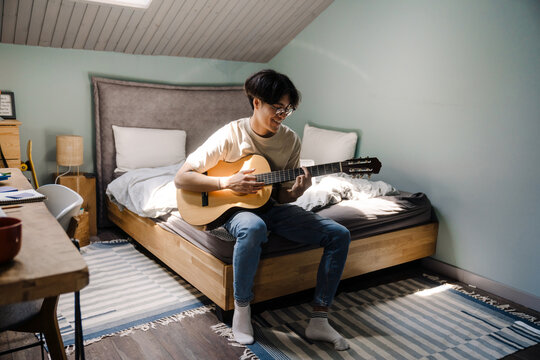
(237, 140)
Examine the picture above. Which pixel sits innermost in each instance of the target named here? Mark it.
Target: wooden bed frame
(276, 276)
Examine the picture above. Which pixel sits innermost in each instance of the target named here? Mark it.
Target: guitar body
(193, 209)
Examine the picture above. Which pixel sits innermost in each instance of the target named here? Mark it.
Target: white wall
(447, 95)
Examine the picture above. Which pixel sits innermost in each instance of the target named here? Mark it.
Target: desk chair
(64, 203)
(15, 317)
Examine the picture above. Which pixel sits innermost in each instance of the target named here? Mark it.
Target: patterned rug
(411, 319)
(127, 290)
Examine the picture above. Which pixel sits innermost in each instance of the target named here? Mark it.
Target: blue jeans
(295, 224)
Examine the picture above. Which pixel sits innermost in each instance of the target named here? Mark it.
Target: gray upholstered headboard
(197, 110)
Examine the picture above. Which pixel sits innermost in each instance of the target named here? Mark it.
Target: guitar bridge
(204, 199)
(204, 195)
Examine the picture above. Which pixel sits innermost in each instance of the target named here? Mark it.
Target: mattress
(363, 218)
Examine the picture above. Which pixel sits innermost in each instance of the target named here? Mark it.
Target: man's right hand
(243, 182)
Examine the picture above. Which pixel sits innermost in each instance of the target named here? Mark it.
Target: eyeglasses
(280, 111)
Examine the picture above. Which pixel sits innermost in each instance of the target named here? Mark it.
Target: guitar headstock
(361, 166)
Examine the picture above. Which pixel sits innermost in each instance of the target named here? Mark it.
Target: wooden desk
(47, 265)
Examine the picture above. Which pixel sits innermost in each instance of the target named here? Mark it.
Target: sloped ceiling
(242, 30)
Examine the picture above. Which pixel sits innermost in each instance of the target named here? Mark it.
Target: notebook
(4, 189)
(20, 197)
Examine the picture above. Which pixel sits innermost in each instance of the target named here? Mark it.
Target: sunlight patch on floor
(434, 290)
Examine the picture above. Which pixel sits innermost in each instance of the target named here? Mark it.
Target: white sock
(319, 329)
(241, 324)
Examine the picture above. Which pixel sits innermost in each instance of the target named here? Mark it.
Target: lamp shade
(69, 150)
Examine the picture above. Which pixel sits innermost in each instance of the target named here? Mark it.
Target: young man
(273, 97)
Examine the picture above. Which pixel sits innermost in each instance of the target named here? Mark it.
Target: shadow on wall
(406, 178)
(318, 51)
(445, 243)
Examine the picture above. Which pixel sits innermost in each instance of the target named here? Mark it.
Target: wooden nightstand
(9, 140)
(85, 185)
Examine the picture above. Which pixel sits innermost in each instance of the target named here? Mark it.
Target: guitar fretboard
(280, 176)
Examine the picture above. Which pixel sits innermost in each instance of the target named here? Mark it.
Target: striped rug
(410, 319)
(126, 289)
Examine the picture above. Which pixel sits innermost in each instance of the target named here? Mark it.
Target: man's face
(268, 117)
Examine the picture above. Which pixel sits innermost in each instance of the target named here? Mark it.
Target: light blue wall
(53, 90)
(447, 95)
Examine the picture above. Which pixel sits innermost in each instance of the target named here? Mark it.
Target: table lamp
(69, 152)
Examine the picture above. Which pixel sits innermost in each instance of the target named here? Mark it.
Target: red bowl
(10, 238)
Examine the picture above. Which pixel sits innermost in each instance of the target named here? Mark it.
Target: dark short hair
(270, 86)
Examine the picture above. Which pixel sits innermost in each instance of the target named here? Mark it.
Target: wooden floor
(192, 338)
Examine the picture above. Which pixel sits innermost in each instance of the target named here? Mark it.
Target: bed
(203, 258)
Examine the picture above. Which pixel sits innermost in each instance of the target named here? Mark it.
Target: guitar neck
(280, 176)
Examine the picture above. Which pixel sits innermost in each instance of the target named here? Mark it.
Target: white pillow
(326, 146)
(148, 148)
(306, 162)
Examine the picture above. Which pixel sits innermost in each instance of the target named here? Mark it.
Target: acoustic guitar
(211, 209)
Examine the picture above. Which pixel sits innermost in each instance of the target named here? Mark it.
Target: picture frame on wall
(7, 104)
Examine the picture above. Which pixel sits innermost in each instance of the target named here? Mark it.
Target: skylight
(129, 3)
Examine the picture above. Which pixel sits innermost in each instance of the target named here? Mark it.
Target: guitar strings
(291, 174)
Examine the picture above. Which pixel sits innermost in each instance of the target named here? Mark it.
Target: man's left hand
(302, 183)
